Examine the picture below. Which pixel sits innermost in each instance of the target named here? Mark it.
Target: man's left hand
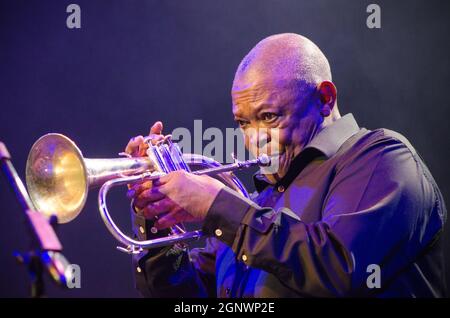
(176, 197)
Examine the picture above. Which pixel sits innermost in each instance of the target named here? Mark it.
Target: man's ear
(327, 91)
(327, 94)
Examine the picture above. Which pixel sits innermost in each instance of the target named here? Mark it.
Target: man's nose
(260, 138)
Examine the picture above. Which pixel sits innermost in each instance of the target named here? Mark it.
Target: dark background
(134, 62)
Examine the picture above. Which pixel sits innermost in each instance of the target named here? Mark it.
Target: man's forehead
(259, 87)
(247, 92)
(251, 95)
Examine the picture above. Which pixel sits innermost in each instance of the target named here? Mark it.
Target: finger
(158, 208)
(133, 144)
(142, 150)
(148, 196)
(170, 219)
(132, 147)
(167, 178)
(136, 189)
(155, 138)
(157, 128)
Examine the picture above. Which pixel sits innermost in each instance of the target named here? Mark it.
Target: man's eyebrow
(256, 110)
(263, 105)
(236, 113)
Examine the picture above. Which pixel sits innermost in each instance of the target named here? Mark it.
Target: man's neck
(327, 121)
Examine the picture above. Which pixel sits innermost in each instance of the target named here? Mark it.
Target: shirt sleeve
(380, 209)
(172, 271)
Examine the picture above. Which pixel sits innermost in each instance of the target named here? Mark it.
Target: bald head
(284, 57)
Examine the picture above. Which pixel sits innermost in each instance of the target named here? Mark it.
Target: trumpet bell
(56, 166)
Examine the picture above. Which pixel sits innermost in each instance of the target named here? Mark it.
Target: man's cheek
(250, 145)
(279, 141)
(247, 144)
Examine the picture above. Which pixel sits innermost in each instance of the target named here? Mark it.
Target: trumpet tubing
(59, 178)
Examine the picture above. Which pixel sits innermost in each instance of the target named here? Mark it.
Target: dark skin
(163, 199)
(270, 111)
(263, 105)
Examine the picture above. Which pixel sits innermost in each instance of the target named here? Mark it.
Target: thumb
(156, 128)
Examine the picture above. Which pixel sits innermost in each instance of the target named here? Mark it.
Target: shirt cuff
(225, 215)
(142, 228)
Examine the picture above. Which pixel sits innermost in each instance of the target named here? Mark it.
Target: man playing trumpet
(349, 211)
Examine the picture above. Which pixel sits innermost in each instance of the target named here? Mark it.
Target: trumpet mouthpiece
(264, 160)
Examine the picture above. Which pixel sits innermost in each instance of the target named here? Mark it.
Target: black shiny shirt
(357, 215)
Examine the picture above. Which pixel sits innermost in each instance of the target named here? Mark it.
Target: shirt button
(280, 188)
(154, 230)
(218, 232)
(244, 258)
(141, 229)
(138, 269)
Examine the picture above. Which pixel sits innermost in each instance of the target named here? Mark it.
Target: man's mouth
(275, 163)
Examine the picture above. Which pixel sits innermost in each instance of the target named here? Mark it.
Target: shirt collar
(326, 143)
(331, 138)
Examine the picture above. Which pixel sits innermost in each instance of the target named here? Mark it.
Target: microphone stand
(45, 248)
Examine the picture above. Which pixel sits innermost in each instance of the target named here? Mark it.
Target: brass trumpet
(58, 179)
